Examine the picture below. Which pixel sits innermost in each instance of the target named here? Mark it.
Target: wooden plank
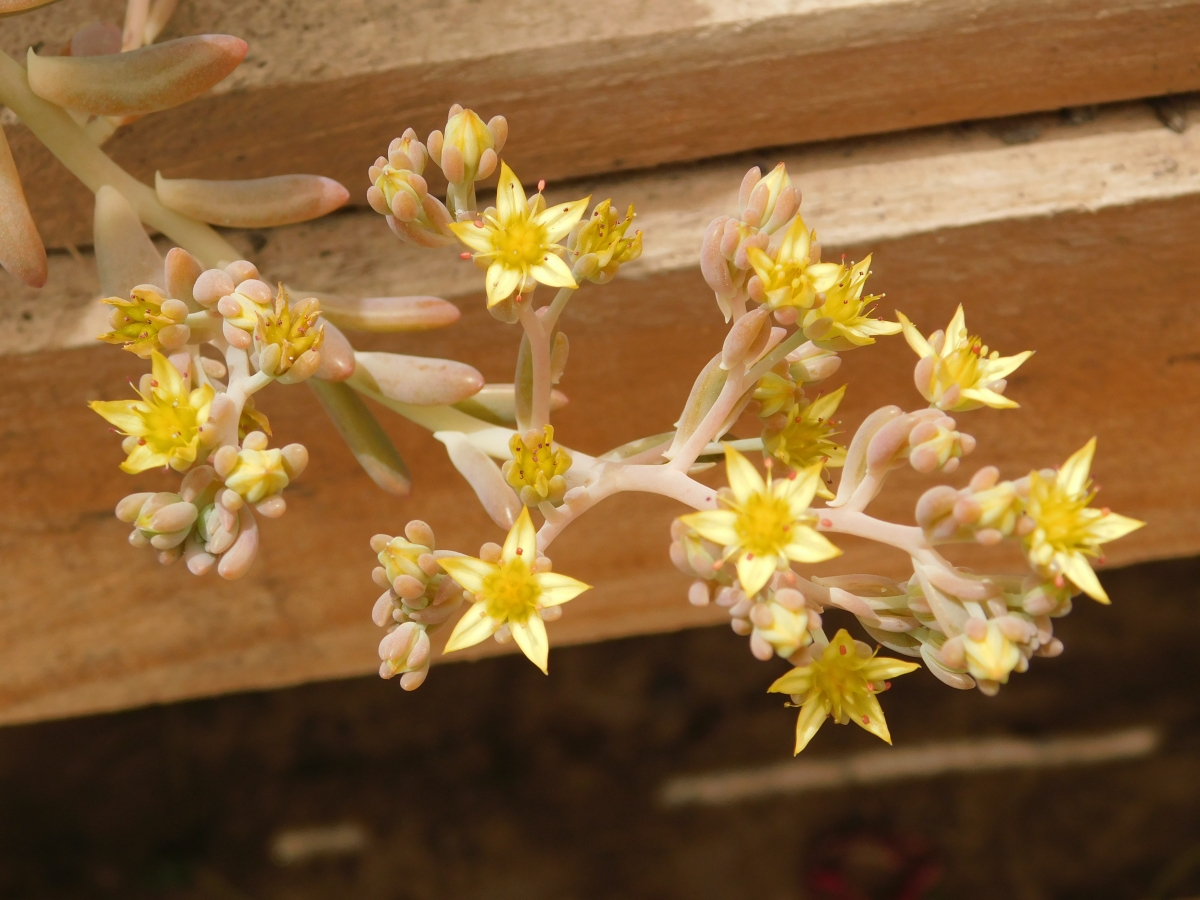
(856, 192)
(620, 85)
(1092, 266)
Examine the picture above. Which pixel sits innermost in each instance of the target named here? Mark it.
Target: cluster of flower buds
(765, 204)
(209, 522)
(418, 597)
(537, 467)
(147, 322)
(987, 510)
(598, 245)
(399, 192)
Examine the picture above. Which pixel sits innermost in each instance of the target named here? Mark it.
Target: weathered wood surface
(856, 192)
(1092, 263)
(592, 88)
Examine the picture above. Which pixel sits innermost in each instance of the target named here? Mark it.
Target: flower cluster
(215, 333)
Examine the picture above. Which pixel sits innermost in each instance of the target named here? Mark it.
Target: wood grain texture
(90, 624)
(856, 192)
(622, 85)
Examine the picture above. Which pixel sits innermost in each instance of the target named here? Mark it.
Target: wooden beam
(620, 85)
(1091, 263)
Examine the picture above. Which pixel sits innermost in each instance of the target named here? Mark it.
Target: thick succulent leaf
(497, 404)
(418, 380)
(16, 7)
(253, 203)
(138, 82)
(364, 435)
(21, 250)
(390, 313)
(125, 255)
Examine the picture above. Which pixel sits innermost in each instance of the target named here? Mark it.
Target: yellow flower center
(521, 244)
(1062, 519)
(169, 424)
(510, 592)
(763, 524)
(801, 442)
(961, 365)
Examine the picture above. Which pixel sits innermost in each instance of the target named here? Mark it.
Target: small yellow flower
(510, 593)
(604, 236)
(166, 420)
(843, 684)
(764, 524)
(843, 320)
(294, 331)
(805, 440)
(519, 242)
(257, 474)
(788, 279)
(993, 657)
(963, 375)
(788, 631)
(137, 321)
(537, 467)
(399, 557)
(467, 133)
(1066, 529)
(775, 391)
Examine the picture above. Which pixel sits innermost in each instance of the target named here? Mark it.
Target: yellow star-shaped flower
(844, 321)
(765, 523)
(962, 374)
(1066, 529)
(166, 420)
(806, 438)
(843, 684)
(788, 278)
(520, 243)
(510, 593)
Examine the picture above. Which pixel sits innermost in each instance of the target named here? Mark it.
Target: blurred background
(1039, 162)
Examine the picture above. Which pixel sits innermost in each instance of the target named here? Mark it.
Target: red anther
(842, 649)
(749, 556)
(826, 523)
(520, 551)
(541, 185)
(464, 255)
(718, 564)
(1058, 581)
(887, 685)
(1104, 510)
(866, 720)
(769, 462)
(520, 299)
(141, 442)
(153, 383)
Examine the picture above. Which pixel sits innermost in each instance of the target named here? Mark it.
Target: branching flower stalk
(215, 332)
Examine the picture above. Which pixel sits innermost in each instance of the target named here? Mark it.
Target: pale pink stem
(539, 347)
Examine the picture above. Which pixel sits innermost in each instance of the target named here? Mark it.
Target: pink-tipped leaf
(253, 203)
(390, 313)
(21, 250)
(138, 82)
(125, 255)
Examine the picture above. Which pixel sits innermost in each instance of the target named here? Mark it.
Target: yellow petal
(881, 668)
(510, 196)
(824, 406)
(956, 331)
(467, 571)
(559, 220)
(474, 236)
(1073, 476)
(530, 636)
(474, 626)
(796, 241)
(824, 275)
(754, 571)
(744, 479)
(867, 714)
(988, 397)
(143, 458)
(1111, 526)
(170, 382)
(1003, 366)
(123, 414)
(553, 272)
(800, 488)
(716, 525)
(523, 537)
(915, 339)
(810, 546)
(501, 281)
(797, 681)
(761, 262)
(1075, 567)
(812, 716)
(557, 589)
